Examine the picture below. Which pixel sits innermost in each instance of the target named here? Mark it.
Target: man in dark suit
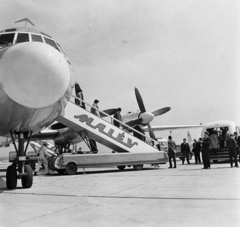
(232, 146)
(237, 139)
(185, 149)
(117, 116)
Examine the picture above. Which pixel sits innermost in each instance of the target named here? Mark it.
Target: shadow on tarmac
(97, 171)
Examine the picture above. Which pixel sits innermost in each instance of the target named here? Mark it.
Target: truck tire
(121, 168)
(138, 167)
(61, 171)
(71, 168)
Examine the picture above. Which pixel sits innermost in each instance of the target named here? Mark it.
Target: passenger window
(22, 37)
(37, 38)
(6, 39)
(51, 43)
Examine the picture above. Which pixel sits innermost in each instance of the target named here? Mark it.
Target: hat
(45, 143)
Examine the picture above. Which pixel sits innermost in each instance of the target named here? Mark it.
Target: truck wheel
(61, 171)
(27, 180)
(138, 167)
(11, 177)
(121, 167)
(71, 168)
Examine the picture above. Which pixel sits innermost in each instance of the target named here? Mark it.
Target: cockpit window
(6, 39)
(37, 38)
(22, 37)
(51, 43)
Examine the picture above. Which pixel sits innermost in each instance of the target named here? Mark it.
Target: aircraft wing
(172, 127)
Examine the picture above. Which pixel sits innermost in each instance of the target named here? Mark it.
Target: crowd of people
(204, 146)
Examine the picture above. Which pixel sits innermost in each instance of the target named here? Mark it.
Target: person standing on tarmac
(197, 151)
(237, 139)
(232, 149)
(185, 149)
(205, 151)
(42, 158)
(171, 152)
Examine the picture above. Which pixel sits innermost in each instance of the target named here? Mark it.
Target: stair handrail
(75, 97)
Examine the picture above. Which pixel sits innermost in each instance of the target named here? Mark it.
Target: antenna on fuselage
(26, 21)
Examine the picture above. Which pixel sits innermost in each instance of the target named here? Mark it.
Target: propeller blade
(153, 136)
(161, 111)
(151, 132)
(109, 112)
(134, 122)
(57, 126)
(140, 101)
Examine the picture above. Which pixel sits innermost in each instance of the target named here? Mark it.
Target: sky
(179, 53)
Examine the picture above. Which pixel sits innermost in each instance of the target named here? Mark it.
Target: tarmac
(185, 196)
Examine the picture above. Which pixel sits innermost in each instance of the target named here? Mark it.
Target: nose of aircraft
(147, 117)
(34, 75)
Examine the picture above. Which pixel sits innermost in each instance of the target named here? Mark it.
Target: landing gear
(27, 180)
(11, 177)
(19, 170)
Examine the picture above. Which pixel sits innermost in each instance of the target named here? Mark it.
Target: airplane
(35, 85)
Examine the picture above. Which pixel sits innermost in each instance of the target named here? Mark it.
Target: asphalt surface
(186, 196)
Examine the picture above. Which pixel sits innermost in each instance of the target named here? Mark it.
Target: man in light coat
(42, 158)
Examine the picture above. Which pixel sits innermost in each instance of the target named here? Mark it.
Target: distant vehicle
(164, 147)
(223, 129)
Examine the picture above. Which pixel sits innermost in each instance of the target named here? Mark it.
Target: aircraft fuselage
(35, 81)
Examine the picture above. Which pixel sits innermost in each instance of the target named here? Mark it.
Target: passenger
(79, 102)
(117, 116)
(139, 129)
(93, 110)
(171, 152)
(237, 139)
(205, 151)
(232, 150)
(185, 149)
(221, 140)
(197, 150)
(42, 159)
(214, 142)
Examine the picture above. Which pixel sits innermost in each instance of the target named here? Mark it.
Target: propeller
(161, 111)
(155, 113)
(109, 112)
(134, 122)
(140, 101)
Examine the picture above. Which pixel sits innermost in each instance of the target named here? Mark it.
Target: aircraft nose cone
(34, 74)
(147, 117)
